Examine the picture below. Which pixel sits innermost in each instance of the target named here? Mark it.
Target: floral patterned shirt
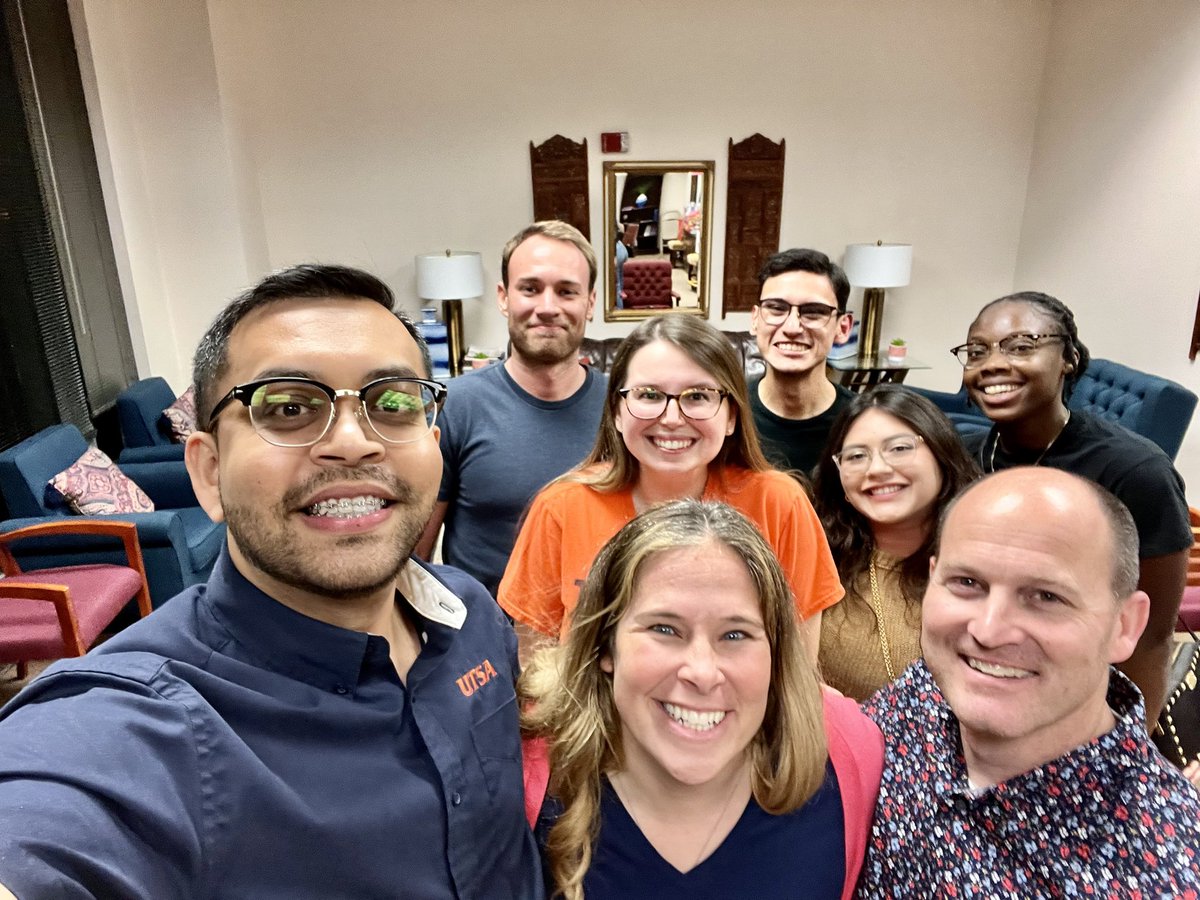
(1110, 819)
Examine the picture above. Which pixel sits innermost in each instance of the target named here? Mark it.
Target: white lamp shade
(452, 275)
(878, 265)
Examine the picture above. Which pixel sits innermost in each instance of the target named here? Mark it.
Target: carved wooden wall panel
(752, 217)
(560, 187)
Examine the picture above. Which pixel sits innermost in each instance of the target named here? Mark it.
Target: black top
(801, 854)
(795, 443)
(1132, 467)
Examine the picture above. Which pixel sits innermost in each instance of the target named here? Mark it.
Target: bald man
(1017, 762)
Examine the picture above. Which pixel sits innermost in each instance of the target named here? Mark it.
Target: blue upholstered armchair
(1147, 404)
(140, 415)
(179, 541)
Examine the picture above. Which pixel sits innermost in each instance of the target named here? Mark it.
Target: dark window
(65, 338)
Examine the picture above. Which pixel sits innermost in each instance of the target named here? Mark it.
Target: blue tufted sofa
(1147, 404)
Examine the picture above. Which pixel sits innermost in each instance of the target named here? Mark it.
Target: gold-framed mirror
(660, 213)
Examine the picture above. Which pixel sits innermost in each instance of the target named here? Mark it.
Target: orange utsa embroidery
(473, 679)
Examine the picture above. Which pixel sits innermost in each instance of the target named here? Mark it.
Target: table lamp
(451, 277)
(875, 267)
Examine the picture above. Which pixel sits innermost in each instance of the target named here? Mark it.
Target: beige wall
(1113, 212)
(160, 136)
(276, 131)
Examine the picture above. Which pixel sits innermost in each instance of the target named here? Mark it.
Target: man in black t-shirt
(801, 314)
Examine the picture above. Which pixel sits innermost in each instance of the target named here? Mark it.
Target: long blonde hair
(610, 466)
(569, 699)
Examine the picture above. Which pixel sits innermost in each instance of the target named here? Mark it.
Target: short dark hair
(308, 280)
(805, 260)
(1074, 350)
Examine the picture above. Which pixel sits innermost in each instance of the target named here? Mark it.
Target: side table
(858, 374)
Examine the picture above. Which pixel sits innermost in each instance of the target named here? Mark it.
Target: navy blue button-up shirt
(228, 746)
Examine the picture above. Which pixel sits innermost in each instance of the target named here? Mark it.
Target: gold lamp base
(452, 316)
(872, 325)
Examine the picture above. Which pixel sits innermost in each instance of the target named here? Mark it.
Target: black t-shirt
(795, 443)
(1132, 467)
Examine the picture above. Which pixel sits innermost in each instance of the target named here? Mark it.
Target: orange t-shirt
(569, 522)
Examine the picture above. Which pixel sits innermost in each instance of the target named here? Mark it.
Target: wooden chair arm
(125, 531)
(60, 596)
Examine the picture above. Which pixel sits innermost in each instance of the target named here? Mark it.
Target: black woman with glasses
(893, 463)
(676, 424)
(325, 717)
(1020, 362)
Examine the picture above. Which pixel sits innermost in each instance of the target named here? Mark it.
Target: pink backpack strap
(535, 756)
(856, 751)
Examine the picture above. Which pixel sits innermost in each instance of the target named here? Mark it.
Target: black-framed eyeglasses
(774, 311)
(1016, 346)
(650, 403)
(897, 452)
(298, 412)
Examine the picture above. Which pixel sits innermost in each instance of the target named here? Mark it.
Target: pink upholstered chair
(646, 284)
(60, 612)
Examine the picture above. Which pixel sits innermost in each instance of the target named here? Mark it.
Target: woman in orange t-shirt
(676, 424)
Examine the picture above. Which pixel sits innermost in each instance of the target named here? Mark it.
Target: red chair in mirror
(48, 614)
(646, 284)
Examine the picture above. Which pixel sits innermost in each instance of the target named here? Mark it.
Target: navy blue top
(802, 854)
(228, 746)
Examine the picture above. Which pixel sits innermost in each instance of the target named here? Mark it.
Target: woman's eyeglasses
(1016, 346)
(896, 452)
(298, 412)
(650, 403)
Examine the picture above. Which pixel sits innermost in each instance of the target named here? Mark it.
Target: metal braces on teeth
(347, 506)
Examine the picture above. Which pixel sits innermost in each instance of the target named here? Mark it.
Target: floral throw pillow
(181, 416)
(93, 486)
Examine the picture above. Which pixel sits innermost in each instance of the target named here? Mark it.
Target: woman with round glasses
(895, 462)
(691, 749)
(676, 424)
(1021, 361)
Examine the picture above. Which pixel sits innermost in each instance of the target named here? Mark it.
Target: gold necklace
(877, 605)
(1041, 456)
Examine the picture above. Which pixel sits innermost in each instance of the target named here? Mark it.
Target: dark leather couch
(599, 352)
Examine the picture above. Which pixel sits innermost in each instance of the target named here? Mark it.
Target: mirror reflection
(657, 235)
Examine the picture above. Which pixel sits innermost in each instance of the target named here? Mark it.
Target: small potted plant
(897, 350)
(480, 359)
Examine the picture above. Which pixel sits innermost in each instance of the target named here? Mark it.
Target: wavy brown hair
(851, 537)
(569, 698)
(610, 466)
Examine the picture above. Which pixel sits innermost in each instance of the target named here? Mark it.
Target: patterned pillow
(93, 486)
(181, 416)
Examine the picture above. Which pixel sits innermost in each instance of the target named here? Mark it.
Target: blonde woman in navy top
(692, 752)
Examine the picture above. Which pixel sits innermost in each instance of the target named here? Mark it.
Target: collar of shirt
(310, 650)
(1121, 748)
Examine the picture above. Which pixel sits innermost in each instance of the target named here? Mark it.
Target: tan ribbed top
(851, 657)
